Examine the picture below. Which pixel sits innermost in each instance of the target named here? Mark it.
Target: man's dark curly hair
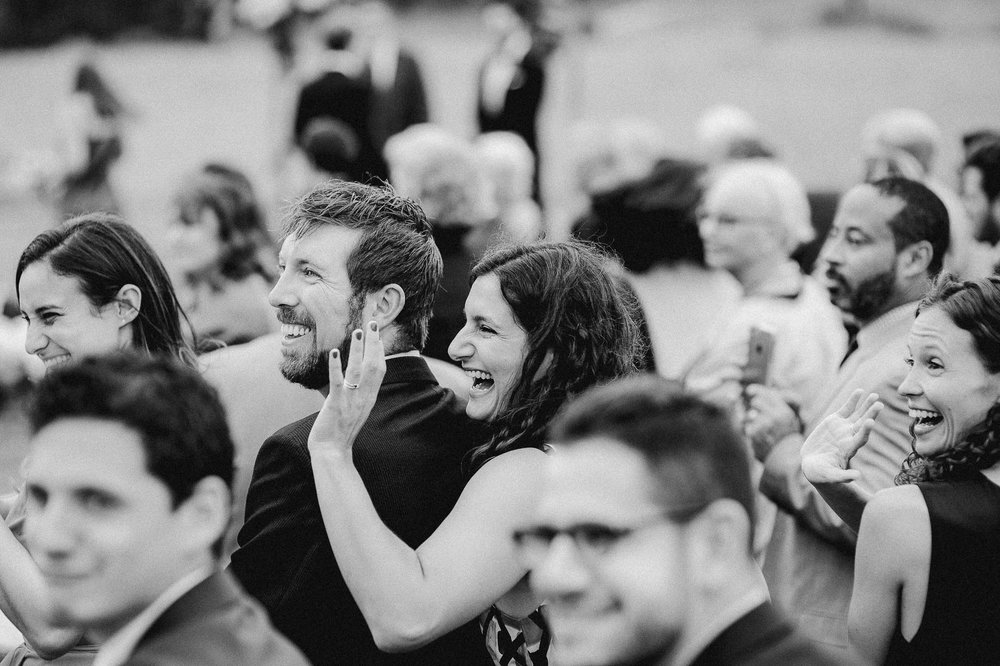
(582, 329)
(973, 306)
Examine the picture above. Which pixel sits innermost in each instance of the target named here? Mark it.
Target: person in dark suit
(398, 99)
(129, 495)
(642, 539)
(354, 254)
(512, 78)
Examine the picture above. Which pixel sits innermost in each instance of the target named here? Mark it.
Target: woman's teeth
(924, 420)
(482, 381)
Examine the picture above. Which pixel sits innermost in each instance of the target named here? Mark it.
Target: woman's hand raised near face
(828, 450)
(352, 394)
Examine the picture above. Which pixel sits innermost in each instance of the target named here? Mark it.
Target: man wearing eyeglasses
(641, 544)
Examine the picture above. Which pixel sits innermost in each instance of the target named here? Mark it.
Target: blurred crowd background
(199, 81)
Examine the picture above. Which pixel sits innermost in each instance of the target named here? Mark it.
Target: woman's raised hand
(828, 450)
(352, 393)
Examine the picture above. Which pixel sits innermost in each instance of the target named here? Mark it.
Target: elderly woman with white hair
(440, 170)
(753, 217)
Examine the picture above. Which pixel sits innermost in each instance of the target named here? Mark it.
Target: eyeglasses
(592, 540)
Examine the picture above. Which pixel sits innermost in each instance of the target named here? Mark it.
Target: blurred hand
(768, 418)
(352, 394)
(828, 450)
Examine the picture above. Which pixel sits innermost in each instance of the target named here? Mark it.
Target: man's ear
(721, 542)
(128, 301)
(913, 260)
(207, 512)
(386, 304)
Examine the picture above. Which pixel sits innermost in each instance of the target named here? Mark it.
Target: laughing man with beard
(354, 254)
(887, 241)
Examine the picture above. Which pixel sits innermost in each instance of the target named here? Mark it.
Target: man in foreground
(642, 541)
(128, 485)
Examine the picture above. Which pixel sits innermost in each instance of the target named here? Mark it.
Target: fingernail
(335, 353)
(372, 325)
(357, 334)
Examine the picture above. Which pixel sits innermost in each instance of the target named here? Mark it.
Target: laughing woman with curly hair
(543, 322)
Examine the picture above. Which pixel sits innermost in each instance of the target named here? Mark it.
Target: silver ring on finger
(349, 385)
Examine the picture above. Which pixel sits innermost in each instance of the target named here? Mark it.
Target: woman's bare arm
(410, 597)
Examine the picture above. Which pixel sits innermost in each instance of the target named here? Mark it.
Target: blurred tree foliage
(26, 23)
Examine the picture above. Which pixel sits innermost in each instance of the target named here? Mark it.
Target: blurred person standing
(888, 239)
(754, 216)
(650, 224)
(512, 78)
(642, 539)
(220, 245)
(398, 99)
(980, 192)
(90, 143)
(341, 91)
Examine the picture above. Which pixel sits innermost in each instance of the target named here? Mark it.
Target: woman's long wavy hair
(974, 306)
(103, 254)
(582, 329)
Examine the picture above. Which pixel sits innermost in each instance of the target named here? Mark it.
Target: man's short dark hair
(178, 416)
(923, 217)
(396, 246)
(691, 445)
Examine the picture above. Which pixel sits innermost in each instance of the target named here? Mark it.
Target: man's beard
(312, 369)
(867, 299)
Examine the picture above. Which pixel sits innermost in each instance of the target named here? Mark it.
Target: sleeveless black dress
(961, 621)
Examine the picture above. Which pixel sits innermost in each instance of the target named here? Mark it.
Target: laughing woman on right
(927, 571)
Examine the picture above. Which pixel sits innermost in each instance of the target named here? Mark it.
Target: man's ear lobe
(915, 258)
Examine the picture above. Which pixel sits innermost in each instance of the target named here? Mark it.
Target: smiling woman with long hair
(543, 322)
(90, 286)
(926, 572)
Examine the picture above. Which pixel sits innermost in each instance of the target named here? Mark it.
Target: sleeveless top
(513, 641)
(961, 620)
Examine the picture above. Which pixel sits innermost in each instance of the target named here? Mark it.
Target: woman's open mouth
(481, 381)
(924, 420)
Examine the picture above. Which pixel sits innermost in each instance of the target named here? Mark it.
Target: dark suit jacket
(341, 97)
(521, 103)
(409, 456)
(399, 106)
(762, 638)
(215, 623)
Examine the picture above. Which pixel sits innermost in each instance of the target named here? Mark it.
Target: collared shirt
(120, 646)
(689, 649)
(412, 352)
